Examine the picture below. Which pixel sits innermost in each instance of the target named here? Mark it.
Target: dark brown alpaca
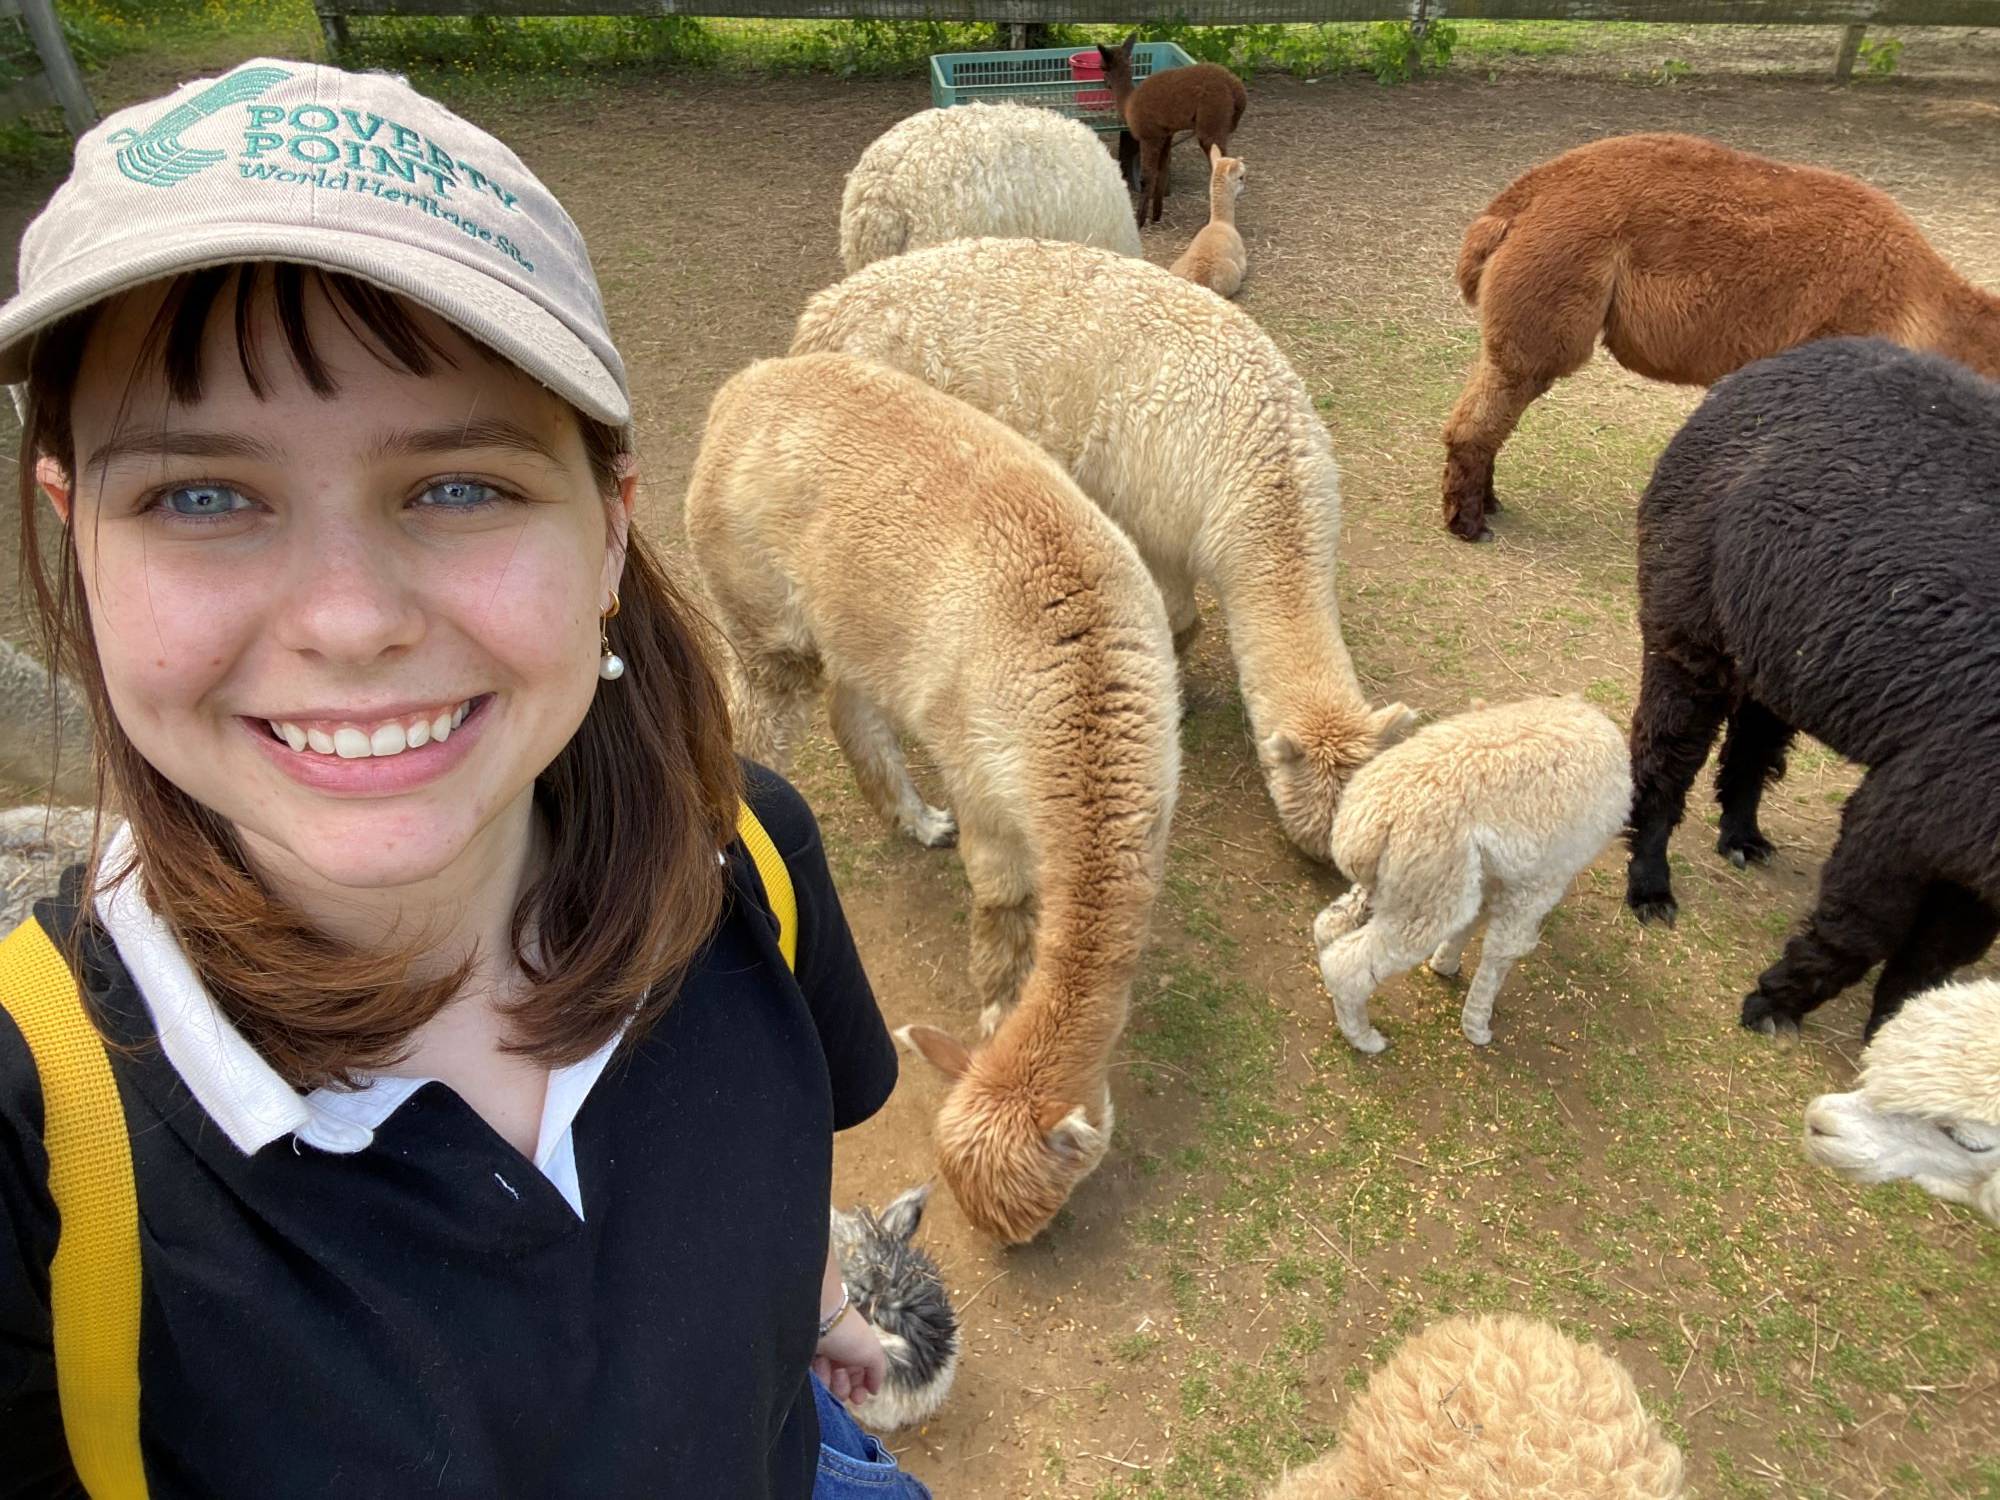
(1692, 259)
(1205, 98)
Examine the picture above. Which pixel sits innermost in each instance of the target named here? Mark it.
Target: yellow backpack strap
(777, 881)
(94, 1280)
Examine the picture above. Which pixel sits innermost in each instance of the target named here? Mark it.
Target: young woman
(480, 1130)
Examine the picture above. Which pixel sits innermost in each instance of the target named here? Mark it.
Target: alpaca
(45, 732)
(1692, 259)
(1816, 553)
(1496, 1407)
(1217, 258)
(1495, 810)
(1927, 1108)
(899, 1290)
(1204, 98)
(947, 174)
(949, 581)
(1179, 416)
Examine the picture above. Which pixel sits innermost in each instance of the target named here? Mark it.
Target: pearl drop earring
(610, 666)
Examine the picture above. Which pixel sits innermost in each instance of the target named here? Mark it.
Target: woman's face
(358, 627)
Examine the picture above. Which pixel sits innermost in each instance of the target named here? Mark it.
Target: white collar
(243, 1093)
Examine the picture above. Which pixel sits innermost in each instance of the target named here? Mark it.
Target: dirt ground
(1276, 1212)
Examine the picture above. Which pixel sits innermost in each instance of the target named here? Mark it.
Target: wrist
(831, 1320)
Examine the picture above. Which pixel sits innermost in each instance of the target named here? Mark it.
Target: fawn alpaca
(1217, 259)
(1206, 99)
(1692, 260)
(949, 580)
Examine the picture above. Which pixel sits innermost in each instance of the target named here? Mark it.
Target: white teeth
(352, 743)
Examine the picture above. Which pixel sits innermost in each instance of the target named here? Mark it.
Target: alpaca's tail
(1481, 240)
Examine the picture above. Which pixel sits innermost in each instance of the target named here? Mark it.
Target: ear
(1280, 749)
(901, 1218)
(1391, 724)
(618, 524)
(1105, 55)
(1075, 1140)
(945, 1053)
(1214, 153)
(844, 1230)
(1126, 46)
(54, 481)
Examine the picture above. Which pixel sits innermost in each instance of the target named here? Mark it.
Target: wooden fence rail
(1854, 15)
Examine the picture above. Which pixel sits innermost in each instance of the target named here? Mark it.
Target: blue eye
(200, 500)
(460, 494)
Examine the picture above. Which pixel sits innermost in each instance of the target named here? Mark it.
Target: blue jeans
(852, 1465)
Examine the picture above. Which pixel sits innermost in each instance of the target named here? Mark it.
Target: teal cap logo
(156, 156)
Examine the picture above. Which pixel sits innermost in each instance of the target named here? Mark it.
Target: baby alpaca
(1927, 1105)
(949, 581)
(1496, 810)
(1217, 258)
(900, 1291)
(1495, 1408)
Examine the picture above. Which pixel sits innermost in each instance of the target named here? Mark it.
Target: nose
(1820, 1122)
(351, 598)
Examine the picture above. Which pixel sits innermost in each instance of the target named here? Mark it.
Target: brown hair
(635, 806)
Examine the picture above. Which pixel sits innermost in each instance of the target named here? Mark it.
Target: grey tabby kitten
(899, 1290)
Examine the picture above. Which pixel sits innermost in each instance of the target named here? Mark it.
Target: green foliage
(1879, 55)
(855, 48)
(1392, 51)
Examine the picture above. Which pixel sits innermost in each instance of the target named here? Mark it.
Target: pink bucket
(1088, 67)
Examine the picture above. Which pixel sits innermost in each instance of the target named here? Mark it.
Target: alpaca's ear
(1392, 724)
(1129, 43)
(945, 1053)
(1214, 152)
(901, 1218)
(1106, 56)
(1075, 1140)
(1280, 749)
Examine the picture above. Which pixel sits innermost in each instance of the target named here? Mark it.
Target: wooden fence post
(65, 82)
(1850, 49)
(334, 25)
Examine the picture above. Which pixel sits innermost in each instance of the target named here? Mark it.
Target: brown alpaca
(1217, 259)
(945, 578)
(1692, 259)
(1205, 98)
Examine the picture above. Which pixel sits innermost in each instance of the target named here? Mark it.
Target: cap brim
(513, 325)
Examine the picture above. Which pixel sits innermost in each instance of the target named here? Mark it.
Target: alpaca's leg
(1753, 754)
(1672, 728)
(770, 701)
(1001, 871)
(1513, 927)
(1486, 413)
(1353, 965)
(1954, 928)
(869, 741)
(1447, 956)
(1155, 178)
(1870, 894)
(1177, 593)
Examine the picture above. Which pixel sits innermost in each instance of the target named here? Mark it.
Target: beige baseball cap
(355, 172)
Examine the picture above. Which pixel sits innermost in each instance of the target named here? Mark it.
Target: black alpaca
(1819, 550)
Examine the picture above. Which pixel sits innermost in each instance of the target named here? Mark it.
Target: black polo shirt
(400, 1321)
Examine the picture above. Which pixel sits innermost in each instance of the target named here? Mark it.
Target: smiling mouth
(380, 740)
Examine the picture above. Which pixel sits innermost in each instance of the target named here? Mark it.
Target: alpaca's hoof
(1662, 909)
(1745, 849)
(1469, 527)
(1370, 1041)
(1762, 1014)
(1479, 1036)
(1444, 968)
(935, 828)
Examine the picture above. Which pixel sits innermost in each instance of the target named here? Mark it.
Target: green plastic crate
(1042, 76)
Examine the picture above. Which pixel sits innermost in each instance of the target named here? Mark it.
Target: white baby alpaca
(1495, 810)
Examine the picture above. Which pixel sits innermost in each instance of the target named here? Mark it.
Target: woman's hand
(849, 1361)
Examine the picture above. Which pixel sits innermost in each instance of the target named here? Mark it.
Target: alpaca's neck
(1972, 333)
(1284, 612)
(1221, 201)
(1059, 1038)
